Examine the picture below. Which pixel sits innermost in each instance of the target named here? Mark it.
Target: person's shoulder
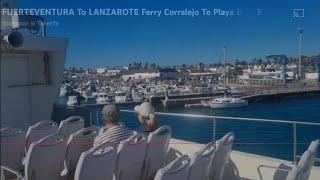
(117, 129)
(100, 136)
(123, 127)
(99, 139)
(144, 129)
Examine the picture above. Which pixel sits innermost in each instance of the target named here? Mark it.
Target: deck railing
(228, 118)
(94, 117)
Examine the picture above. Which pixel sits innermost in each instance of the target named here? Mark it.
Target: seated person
(115, 132)
(147, 118)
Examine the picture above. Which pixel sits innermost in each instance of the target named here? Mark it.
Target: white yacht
(72, 101)
(120, 97)
(226, 102)
(102, 98)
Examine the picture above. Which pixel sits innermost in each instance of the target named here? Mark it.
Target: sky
(99, 41)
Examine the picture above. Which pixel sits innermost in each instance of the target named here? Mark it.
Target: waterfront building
(312, 76)
(101, 70)
(113, 72)
(164, 73)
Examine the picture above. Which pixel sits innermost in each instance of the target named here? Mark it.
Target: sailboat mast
(225, 68)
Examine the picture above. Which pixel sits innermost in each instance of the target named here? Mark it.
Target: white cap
(145, 109)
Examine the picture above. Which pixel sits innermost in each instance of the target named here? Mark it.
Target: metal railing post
(214, 130)
(90, 117)
(97, 117)
(294, 143)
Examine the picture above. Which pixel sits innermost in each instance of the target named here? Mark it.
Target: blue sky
(96, 41)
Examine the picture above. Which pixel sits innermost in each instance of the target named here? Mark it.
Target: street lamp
(300, 31)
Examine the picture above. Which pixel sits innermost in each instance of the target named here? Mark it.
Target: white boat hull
(72, 101)
(120, 99)
(63, 93)
(232, 103)
(102, 101)
(205, 103)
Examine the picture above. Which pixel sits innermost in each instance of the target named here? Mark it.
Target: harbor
(257, 94)
(211, 85)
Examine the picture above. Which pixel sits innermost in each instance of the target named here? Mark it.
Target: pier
(252, 95)
(102, 104)
(269, 95)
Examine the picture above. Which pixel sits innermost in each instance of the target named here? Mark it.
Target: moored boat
(227, 102)
(102, 98)
(72, 101)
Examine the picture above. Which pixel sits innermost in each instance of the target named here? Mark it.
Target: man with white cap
(147, 117)
(114, 133)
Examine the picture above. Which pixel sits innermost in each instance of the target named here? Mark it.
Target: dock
(184, 101)
(102, 104)
(252, 96)
(278, 94)
(160, 99)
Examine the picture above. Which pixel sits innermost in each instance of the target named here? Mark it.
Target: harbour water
(270, 139)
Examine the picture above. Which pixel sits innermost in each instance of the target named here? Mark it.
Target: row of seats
(139, 157)
(73, 157)
(67, 153)
(16, 142)
(208, 163)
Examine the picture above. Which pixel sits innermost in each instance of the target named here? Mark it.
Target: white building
(150, 74)
(113, 72)
(101, 70)
(125, 68)
(312, 76)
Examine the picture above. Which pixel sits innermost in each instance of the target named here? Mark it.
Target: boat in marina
(137, 97)
(72, 101)
(34, 147)
(102, 98)
(120, 97)
(225, 101)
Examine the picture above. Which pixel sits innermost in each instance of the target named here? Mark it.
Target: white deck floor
(242, 165)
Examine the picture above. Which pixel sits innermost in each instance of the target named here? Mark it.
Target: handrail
(231, 118)
(214, 118)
